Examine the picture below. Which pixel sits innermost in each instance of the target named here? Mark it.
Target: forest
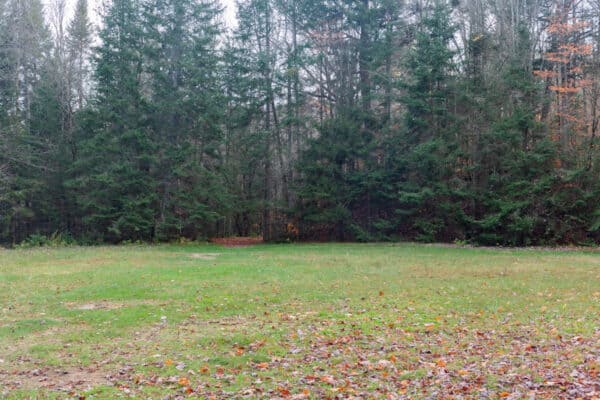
(469, 121)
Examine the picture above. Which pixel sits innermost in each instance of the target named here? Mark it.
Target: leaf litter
(340, 359)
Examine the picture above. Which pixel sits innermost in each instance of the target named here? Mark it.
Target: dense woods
(472, 121)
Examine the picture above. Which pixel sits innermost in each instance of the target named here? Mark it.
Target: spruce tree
(116, 172)
(24, 50)
(182, 61)
(426, 147)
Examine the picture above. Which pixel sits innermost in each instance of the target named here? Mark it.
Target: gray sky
(229, 11)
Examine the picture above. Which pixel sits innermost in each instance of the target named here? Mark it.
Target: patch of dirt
(238, 241)
(101, 305)
(64, 379)
(205, 256)
(228, 321)
(108, 305)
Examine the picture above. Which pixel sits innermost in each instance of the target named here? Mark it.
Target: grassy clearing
(299, 321)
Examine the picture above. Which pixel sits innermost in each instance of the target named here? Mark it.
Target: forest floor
(299, 321)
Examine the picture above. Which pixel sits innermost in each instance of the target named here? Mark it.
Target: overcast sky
(229, 11)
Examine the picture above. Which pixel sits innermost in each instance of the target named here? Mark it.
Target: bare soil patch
(61, 378)
(205, 256)
(107, 305)
(238, 241)
(103, 305)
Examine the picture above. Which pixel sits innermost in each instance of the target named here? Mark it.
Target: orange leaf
(440, 363)
(504, 394)
(168, 362)
(183, 381)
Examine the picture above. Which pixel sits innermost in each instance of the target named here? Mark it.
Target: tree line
(470, 120)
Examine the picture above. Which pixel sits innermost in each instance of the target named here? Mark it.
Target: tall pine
(425, 153)
(116, 172)
(182, 61)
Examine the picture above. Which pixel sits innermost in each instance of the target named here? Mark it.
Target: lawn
(299, 321)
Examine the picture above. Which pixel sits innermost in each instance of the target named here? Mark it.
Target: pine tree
(336, 181)
(425, 154)
(343, 193)
(182, 62)
(24, 45)
(116, 171)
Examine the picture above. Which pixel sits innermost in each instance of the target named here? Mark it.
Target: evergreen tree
(342, 184)
(511, 160)
(427, 148)
(335, 182)
(182, 62)
(116, 172)
(24, 44)
(352, 120)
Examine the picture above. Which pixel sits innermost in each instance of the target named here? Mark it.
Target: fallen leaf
(183, 381)
(257, 345)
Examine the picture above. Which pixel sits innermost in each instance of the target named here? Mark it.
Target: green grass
(317, 321)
